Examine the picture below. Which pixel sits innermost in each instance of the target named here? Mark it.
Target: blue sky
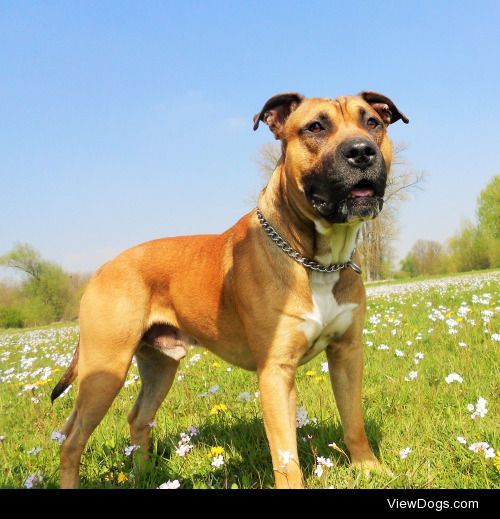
(123, 121)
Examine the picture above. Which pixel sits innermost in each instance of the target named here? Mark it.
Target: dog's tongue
(367, 191)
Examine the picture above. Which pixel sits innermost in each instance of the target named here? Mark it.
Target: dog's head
(336, 152)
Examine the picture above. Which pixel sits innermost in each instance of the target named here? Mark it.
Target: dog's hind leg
(101, 373)
(157, 372)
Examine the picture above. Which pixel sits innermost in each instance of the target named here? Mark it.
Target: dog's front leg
(345, 363)
(277, 393)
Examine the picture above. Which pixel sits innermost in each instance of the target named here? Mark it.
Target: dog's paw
(369, 467)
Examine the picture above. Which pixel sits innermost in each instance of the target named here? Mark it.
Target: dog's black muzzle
(349, 184)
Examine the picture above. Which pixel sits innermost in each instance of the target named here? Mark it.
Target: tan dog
(240, 296)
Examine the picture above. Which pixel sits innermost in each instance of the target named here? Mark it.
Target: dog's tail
(68, 376)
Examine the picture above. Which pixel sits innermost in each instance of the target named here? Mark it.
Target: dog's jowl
(280, 286)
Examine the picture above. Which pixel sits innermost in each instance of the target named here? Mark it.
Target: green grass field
(432, 328)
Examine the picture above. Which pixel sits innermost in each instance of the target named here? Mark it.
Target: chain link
(297, 256)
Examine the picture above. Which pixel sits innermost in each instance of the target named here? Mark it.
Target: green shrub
(11, 317)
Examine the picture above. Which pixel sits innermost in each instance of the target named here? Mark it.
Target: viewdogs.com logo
(431, 504)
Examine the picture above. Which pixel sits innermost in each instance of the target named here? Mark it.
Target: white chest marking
(327, 319)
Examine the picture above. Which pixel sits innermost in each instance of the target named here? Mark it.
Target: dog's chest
(327, 319)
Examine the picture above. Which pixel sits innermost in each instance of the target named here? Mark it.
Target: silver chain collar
(297, 256)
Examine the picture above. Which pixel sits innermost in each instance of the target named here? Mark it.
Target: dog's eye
(315, 127)
(372, 123)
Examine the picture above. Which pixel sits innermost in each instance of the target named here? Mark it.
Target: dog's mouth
(362, 201)
(363, 189)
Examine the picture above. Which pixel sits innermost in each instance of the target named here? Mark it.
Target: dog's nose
(359, 153)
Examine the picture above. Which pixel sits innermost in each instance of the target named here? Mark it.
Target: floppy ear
(276, 110)
(384, 107)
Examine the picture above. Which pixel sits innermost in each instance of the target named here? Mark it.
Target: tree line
(46, 294)
(476, 245)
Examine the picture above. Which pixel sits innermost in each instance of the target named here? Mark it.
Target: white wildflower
(169, 485)
(218, 461)
(34, 451)
(193, 431)
(195, 358)
(302, 418)
(183, 449)
(131, 381)
(284, 458)
(327, 462)
(479, 409)
(453, 377)
(185, 438)
(58, 437)
(483, 447)
(131, 449)
(451, 323)
(489, 453)
(403, 453)
(33, 481)
(412, 375)
(183, 446)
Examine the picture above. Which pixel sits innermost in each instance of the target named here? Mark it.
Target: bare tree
(378, 236)
(268, 158)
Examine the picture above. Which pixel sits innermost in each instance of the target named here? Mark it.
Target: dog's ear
(276, 110)
(387, 110)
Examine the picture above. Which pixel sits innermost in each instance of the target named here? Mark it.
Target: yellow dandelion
(459, 319)
(218, 408)
(496, 461)
(216, 451)
(310, 373)
(122, 478)
(216, 364)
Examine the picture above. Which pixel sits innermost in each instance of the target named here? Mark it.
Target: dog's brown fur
(234, 293)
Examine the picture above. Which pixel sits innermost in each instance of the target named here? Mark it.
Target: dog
(269, 294)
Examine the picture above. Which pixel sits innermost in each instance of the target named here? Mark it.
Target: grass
(425, 414)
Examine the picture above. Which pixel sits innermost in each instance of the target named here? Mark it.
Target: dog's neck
(325, 243)
(335, 243)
